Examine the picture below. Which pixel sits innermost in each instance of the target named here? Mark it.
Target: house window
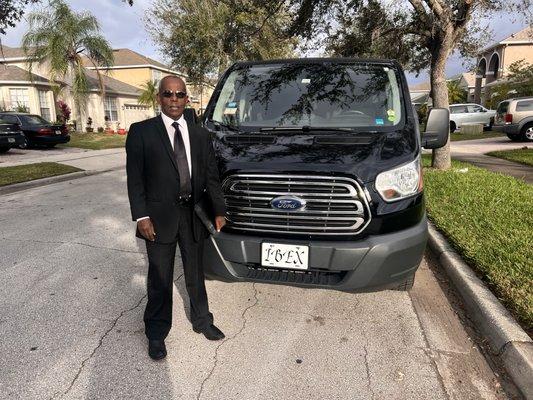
(45, 105)
(19, 98)
(110, 108)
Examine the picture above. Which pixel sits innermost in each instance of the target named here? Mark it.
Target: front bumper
(375, 262)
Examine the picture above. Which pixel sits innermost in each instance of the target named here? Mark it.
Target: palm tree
(60, 37)
(456, 94)
(148, 96)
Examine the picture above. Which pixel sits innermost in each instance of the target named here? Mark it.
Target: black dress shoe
(211, 332)
(157, 349)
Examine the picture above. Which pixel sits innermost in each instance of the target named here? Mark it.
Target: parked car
(470, 113)
(320, 161)
(38, 131)
(10, 136)
(514, 117)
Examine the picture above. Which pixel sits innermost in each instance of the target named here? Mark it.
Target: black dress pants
(158, 312)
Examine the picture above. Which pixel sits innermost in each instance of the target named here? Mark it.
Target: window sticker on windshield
(391, 115)
(306, 80)
(379, 121)
(231, 108)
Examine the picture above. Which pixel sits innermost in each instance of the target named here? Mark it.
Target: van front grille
(333, 205)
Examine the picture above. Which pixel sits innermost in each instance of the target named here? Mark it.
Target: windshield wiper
(306, 128)
(227, 126)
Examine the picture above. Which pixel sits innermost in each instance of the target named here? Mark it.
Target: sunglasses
(169, 93)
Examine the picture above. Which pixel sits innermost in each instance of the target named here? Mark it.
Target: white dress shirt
(184, 134)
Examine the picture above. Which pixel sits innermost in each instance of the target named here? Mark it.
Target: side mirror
(437, 129)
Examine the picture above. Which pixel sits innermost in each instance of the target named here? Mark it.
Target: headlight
(401, 182)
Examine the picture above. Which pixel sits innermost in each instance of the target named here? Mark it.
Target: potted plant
(100, 129)
(120, 131)
(107, 124)
(89, 127)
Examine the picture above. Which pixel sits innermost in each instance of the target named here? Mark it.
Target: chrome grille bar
(334, 205)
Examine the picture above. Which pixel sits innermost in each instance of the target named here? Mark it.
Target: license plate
(284, 256)
(58, 132)
(11, 140)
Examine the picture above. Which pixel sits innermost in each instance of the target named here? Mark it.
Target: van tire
(453, 127)
(514, 138)
(4, 149)
(406, 284)
(527, 133)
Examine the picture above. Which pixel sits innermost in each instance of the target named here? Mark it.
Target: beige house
(493, 62)
(20, 89)
(136, 70)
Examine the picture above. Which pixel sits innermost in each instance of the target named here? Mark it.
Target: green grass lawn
(95, 141)
(487, 218)
(522, 156)
(455, 137)
(29, 172)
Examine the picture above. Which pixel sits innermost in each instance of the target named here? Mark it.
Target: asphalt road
(72, 295)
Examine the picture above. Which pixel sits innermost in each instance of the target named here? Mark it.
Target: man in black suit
(171, 167)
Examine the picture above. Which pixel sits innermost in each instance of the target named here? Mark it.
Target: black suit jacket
(153, 178)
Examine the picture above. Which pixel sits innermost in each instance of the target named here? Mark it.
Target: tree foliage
(11, 11)
(148, 95)
(203, 37)
(518, 82)
(456, 94)
(60, 37)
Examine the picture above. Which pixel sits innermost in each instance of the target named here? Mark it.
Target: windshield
(33, 120)
(328, 95)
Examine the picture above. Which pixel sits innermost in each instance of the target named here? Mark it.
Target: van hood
(363, 155)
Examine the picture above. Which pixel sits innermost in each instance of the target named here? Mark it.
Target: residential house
(493, 62)
(135, 69)
(420, 94)
(33, 91)
(466, 81)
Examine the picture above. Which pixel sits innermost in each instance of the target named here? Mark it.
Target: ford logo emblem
(287, 203)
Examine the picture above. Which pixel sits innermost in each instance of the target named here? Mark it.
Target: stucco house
(136, 69)
(493, 62)
(33, 91)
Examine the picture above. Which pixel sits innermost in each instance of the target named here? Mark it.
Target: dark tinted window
(12, 119)
(502, 107)
(33, 120)
(316, 95)
(526, 105)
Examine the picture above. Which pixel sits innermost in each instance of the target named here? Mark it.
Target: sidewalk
(473, 151)
(92, 162)
(88, 160)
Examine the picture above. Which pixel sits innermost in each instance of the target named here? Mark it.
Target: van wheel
(4, 149)
(406, 284)
(527, 133)
(453, 127)
(514, 138)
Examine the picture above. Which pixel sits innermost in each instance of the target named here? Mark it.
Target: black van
(321, 171)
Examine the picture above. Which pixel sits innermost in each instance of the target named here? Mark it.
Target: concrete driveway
(72, 295)
(482, 146)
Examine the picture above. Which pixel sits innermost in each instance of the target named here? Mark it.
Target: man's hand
(220, 221)
(146, 228)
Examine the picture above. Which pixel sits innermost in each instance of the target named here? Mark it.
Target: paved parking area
(73, 291)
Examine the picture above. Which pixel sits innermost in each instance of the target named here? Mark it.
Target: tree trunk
(439, 93)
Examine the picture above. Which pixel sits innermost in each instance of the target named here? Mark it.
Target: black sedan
(10, 136)
(38, 131)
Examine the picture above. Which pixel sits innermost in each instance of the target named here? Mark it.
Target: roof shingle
(12, 73)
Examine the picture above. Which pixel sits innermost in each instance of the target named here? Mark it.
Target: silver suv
(470, 113)
(515, 118)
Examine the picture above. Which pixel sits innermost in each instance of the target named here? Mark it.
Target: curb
(506, 338)
(17, 187)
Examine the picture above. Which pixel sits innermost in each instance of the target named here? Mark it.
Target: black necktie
(181, 159)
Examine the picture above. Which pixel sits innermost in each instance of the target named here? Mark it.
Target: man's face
(170, 104)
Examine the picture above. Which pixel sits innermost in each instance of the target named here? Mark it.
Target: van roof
(319, 60)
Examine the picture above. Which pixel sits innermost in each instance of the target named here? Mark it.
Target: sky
(123, 27)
